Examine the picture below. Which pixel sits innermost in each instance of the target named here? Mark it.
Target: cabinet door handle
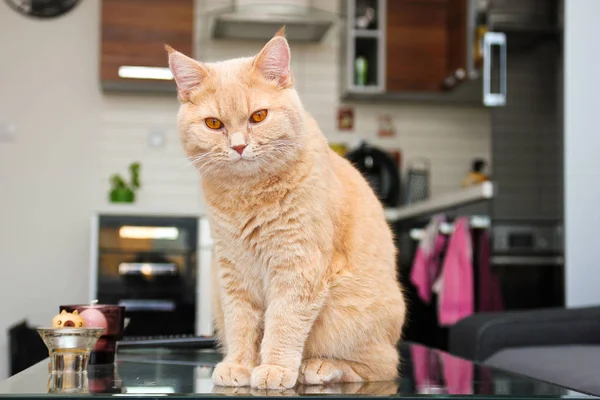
(541, 261)
(148, 305)
(151, 269)
(494, 39)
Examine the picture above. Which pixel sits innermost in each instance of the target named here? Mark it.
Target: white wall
(71, 138)
(582, 146)
(168, 180)
(49, 90)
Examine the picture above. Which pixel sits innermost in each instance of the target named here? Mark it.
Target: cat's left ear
(273, 61)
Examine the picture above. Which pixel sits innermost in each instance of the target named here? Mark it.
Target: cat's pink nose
(239, 148)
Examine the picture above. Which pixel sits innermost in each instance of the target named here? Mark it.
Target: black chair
(26, 347)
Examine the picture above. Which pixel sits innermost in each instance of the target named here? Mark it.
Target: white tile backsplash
(168, 181)
(449, 135)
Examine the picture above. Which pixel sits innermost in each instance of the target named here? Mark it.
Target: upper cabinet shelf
(134, 32)
(430, 50)
(366, 33)
(364, 45)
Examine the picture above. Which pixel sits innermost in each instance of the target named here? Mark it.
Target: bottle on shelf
(360, 69)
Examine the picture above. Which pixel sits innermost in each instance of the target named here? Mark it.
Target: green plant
(134, 170)
(123, 192)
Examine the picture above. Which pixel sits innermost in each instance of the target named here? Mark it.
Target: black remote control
(169, 341)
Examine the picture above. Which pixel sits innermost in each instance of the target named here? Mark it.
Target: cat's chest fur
(250, 224)
(249, 235)
(247, 240)
(257, 226)
(252, 229)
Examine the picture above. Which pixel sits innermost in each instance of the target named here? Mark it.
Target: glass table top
(154, 373)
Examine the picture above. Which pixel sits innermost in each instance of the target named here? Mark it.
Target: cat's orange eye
(258, 116)
(213, 123)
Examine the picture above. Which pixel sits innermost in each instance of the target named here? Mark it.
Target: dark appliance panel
(528, 260)
(527, 134)
(527, 210)
(148, 265)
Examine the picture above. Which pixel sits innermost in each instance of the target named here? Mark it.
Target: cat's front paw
(230, 374)
(273, 377)
(316, 371)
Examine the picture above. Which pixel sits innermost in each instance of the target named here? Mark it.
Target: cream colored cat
(306, 284)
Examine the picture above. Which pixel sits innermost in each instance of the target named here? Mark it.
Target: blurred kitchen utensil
(417, 184)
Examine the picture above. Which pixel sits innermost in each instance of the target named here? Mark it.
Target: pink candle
(94, 319)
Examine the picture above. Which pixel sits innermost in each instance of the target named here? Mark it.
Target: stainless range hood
(524, 15)
(260, 20)
(526, 23)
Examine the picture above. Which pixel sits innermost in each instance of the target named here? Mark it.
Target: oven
(149, 265)
(528, 258)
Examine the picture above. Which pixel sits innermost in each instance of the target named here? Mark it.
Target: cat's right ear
(187, 72)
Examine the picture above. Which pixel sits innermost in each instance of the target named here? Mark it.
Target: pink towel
(437, 372)
(455, 292)
(458, 374)
(425, 264)
(490, 289)
(426, 370)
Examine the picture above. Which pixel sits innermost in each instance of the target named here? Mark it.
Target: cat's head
(242, 116)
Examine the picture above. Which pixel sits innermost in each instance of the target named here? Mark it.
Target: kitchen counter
(136, 209)
(446, 201)
(154, 373)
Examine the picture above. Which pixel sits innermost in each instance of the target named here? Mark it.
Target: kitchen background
(62, 136)
(449, 135)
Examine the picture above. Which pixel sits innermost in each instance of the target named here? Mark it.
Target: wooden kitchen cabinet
(418, 50)
(134, 32)
(426, 43)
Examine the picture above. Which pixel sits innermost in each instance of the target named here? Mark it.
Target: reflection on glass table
(148, 373)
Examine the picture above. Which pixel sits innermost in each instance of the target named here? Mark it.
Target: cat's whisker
(211, 167)
(211, 164)
(294, 143)
(269, 160)
(183, 162)
(200, 157)
(205, 164)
